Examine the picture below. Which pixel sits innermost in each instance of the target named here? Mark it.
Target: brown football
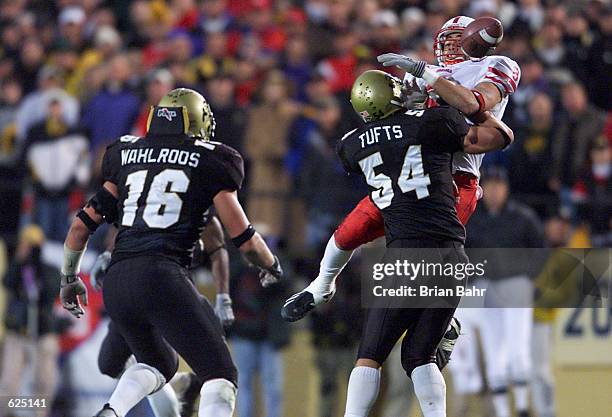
(482, 36)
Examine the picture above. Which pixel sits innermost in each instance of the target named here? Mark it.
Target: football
(481, 37)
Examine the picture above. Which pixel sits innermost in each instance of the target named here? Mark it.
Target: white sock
(521, 396)
(136, 383)
(333, 262)
(430, 389)
(217, 398)
(164, 402)
(362, 391)
(501, 404)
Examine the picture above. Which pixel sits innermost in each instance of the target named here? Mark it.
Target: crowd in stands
(75, 75)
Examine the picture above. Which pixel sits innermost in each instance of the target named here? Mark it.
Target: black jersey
(166, 185)
(406, 161)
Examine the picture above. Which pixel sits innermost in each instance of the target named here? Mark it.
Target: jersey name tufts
(373, 135)
(164, 156)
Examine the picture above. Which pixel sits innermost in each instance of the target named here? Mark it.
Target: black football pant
(424, 327)
(158, 313)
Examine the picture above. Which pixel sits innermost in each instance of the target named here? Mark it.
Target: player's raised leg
(362, 225)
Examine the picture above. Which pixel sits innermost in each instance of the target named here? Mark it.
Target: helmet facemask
(447, 47)
(447, 41)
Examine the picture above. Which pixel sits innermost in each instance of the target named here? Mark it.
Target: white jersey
(502, 71)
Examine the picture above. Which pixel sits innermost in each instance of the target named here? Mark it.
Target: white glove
(408, 64)
(99, 269)
(223, 309)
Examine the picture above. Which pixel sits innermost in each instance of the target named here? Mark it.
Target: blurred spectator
(107, 42)
(339, 69)
(580, 124)
(326, 20)
(34, 106)
(72, 24)
(257, 337)
(215, 58)
(593, 193)
(530, 153)
(31, 327)
(230, 119)
(578, 39)
(527, 16)
(297, 66)
(533, 81)
(158, 84)
(327, 191)
(335, 333)
(214, 16)
(599, 64)
(412, 23)
(30, 61)
(10, 96)
(265, 148)
(549, 45)
(58, 159)
(501, 222)
(112, 112)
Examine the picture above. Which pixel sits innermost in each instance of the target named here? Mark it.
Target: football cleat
(447, 344)
(298, 305)
(107, 411)
(524, 414)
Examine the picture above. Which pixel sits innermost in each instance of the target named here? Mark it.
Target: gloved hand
(413, 66)
(71, 288)
(96, 275)
(271, 275)
(223, 309)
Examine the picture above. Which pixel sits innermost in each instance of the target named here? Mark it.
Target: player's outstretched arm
(489, 135)
(470, 102)
(247, 240)
(214, 245)
(71, 287)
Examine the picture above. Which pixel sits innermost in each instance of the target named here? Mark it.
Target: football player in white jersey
(473, 86)
(487, 83)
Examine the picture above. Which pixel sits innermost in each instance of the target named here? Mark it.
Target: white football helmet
(448, 51)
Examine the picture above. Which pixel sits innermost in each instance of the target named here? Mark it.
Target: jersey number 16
(163, 204)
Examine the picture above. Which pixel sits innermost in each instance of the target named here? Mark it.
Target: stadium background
(75, 75)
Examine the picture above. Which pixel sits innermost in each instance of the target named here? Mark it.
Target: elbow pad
(105, 204)
(243, 237)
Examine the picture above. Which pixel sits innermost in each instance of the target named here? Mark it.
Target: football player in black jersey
(115, 354)
(157, 189)
(405, 157)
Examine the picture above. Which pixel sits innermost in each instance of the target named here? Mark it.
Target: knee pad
(218, 391)
(161, 379)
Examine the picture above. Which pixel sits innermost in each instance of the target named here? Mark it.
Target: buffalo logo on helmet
(167, 114)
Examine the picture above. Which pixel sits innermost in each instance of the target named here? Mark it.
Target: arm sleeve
(111, 163)
(504, 73)
(230, 172)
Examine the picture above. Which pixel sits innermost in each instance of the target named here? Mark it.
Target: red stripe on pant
(365, 222)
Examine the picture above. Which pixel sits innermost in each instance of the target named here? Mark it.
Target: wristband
(72, 261)
(430, 76)
(480, 100)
